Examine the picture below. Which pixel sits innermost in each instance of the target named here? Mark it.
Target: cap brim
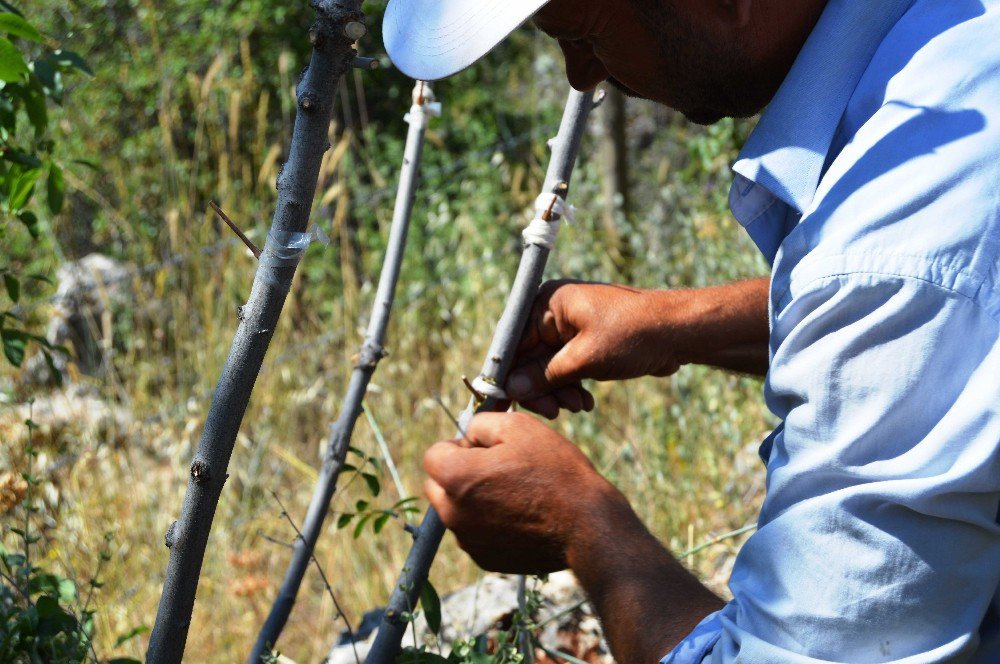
(431, 39)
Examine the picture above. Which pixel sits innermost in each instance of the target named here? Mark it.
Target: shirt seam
(890, 273)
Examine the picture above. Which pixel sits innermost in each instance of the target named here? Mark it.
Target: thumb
(540, 375)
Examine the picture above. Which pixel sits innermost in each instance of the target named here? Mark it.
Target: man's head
(706, 58)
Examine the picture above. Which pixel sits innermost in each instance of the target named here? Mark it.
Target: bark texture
(338, 25)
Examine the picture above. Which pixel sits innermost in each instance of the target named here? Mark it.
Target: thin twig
(274, 540)
(453, 419)
(561, 655)
(386, 456)
(240, 234)
(716, 540)
(322, 574)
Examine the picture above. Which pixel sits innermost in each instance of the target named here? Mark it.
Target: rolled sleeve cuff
(698, 644)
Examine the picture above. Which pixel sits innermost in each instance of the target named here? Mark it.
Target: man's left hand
(514, 492)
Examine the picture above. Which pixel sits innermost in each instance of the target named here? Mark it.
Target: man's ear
(739, 11)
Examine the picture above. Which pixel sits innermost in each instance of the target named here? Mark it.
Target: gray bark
(371, 352)
(499, 359)
(336, 28)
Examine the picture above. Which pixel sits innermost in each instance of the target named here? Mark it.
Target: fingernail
(518, 385)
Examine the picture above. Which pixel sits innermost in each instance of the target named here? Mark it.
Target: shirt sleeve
(878, 540)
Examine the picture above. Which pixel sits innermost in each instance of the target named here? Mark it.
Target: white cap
(431, 39)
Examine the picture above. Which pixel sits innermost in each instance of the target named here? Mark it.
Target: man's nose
(583, 69)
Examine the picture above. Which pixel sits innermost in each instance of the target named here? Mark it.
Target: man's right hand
(583, 331)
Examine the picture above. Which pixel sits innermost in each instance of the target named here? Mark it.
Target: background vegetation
(193, 101)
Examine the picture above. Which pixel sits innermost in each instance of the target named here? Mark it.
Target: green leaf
(431, 604)
(123, 660)
(67, 590)
(18, 157)
(12, 65)
(48, 280)
(380, 522)
(89, 163)
(14, 344)
(30, 222)
(48, 607)
(50, 77)
(13, 287)
(373, 484)
(6, 6)
(57, 376)
(45, 584)
(359, 527)
(15, 25)
(129, 635)
(34, 105)
(343, 520)
(72, 60)
(56, 189)
(21, 190)
(361, 505)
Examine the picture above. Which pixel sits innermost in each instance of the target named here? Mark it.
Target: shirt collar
(787, 150)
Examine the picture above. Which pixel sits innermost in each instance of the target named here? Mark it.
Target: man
(872, 185)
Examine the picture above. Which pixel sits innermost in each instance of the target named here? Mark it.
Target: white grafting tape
(543, 232)
(488, 388)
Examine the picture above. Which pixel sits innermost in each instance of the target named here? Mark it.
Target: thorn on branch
(240, 234)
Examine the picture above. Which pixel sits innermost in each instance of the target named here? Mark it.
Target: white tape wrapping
(422, 112)
(284, 248)
(488, 388)
(542, 232)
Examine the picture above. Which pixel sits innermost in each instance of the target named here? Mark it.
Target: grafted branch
(499, 359)
(338, 25)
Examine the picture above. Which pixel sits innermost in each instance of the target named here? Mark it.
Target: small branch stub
(200, 472)
(355, 30)
(361, 62)
(171, 535)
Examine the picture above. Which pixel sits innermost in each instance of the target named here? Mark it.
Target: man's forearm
(646, 600)
(723, 326)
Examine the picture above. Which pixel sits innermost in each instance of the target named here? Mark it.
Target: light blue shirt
(872, 184)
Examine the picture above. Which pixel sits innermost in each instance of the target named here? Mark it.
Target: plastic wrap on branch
(371, 352)
(339, 23)
(499, 359)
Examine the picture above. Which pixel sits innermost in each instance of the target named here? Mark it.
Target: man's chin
(703, 116)
(624, 89)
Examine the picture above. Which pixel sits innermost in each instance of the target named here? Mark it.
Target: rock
(567, 621)
(87, 292)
